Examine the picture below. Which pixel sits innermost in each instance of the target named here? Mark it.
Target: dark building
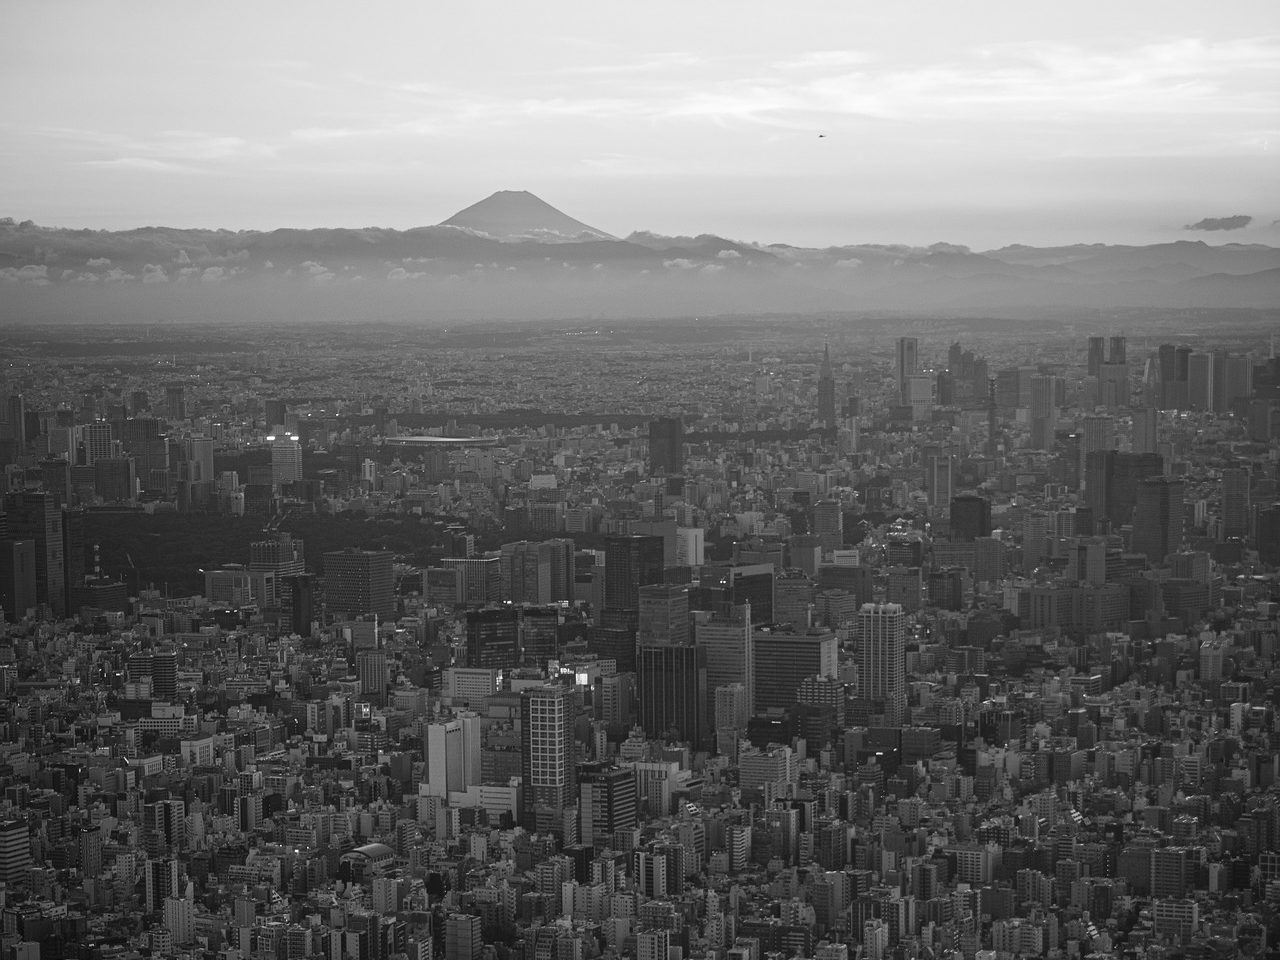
(359, 582)
(297, 603)
(17, 578)
(1111, 483)
(75, 555)
(629, 564)
(970, 517)
(38, 517)
(826, 391)
(607, 802)
(672, 681)
(1269, 535)
(666, 445)
(539, 635)
(1158, 518)
(493, 638)
(736, 585)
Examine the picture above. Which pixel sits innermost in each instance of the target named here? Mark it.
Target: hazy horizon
(918, 124)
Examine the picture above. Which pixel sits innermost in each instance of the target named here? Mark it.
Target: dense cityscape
(728, 638)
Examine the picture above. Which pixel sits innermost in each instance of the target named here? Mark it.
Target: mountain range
(513, 256)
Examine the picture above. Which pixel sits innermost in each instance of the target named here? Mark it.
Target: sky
(980, 123)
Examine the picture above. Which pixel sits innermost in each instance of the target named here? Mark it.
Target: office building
(906, 367)
(297, 597)
(493, 638)
(1095, 355)
(1111, 483)
(881, 682)
(1044, 411)
(359, 582)
(664, 613)
(970, 517)
(784, 660)
(631, 562)
(1200, 386)
(1146, 430)
(666, 446)
(480, 578)
(15, 853)
(737, 585)
(547, 757)
(826, 391)
(607, 802)
(175, 401)
(286, 460)
(672, 687)
(1235, 502)
(539, 635)
(1158, 518)
(374, 674)
(828, 524)
(161, 882)
(452, 754)
(17, 578)
(537, 572)
(463, 939)
(38, 517)
(726, 634)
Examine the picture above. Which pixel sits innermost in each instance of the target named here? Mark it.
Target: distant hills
(514, 256)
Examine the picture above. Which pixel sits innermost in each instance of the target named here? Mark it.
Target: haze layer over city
(566, 481)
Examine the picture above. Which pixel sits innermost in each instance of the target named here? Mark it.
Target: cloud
(1236, 222)
(154, 273)
(849, 263)
(728, 255)
(681, 263)
(712, 268)
(36, 275)
(98, 262)
(116, 275)
(212, 274)
(144, 164)
(400, 273)
(317, 272)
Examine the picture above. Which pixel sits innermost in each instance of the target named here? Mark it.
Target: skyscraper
(1158, 518)
(905, 367)
(1044, 411)
(1200, 387)
(493, 638)
(371, 668)
(828, 524)
(1111, 483)
(882, 669)
(970, 517)
(286, 460)
(1235, 502)
(359, 582)
(826, 391)
(666, 445)
(1095, 355)
(664, 613)
(1146, 430)
(17, 578)
(784, 660)
(607, 801)
(547, 761)
(38, 517)
(672, 681)
(726, 634)
(629, 564)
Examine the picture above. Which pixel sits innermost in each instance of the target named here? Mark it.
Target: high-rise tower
(547, 761)
(826, 391)
(906, 365)
(882, 667)
(666, 446)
